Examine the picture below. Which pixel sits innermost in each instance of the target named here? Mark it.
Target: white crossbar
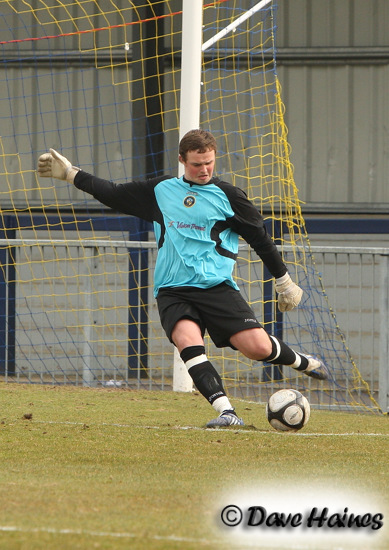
(232, 26)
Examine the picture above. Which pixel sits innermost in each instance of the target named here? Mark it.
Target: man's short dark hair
(197, 140)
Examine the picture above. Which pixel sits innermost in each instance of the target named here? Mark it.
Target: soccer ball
(288, 410)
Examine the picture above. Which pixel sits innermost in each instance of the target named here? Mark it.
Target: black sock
(282, 354)
(203, 373)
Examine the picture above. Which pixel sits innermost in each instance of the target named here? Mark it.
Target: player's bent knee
(258, 353)
(255, 344)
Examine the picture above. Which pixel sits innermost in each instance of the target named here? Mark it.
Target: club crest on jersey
(189, 201)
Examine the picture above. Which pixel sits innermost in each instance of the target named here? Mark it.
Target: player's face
(199, 166)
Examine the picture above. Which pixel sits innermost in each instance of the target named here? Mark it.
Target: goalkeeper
(198, 219)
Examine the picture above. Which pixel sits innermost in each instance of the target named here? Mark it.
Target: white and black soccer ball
(288, 410)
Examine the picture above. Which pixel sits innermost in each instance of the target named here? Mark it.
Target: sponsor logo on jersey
(184, 225)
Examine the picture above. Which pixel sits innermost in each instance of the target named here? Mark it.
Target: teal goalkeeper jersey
(197, 227)
(198, 249)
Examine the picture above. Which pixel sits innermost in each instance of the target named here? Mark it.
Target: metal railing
(356, 280)
(65, 315)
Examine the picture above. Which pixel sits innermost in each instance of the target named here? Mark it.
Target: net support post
(192, 33)
(383, 378)
(89, 371)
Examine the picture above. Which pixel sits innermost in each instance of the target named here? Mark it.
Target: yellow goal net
(99, 81)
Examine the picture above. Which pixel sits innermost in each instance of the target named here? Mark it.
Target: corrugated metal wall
(52, 96)
(333, 65)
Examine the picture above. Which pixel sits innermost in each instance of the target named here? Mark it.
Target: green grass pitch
(118, 469)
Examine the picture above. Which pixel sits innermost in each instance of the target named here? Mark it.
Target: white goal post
(192, 23)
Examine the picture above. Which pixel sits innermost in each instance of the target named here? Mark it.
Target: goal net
(100, 82)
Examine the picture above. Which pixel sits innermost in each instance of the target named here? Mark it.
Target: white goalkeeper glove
(54, 165)
(289, 294)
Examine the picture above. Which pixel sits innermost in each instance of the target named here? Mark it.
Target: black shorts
(221, 310)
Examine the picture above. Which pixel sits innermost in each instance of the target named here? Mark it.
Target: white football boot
(316, 369)
(226, 418)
